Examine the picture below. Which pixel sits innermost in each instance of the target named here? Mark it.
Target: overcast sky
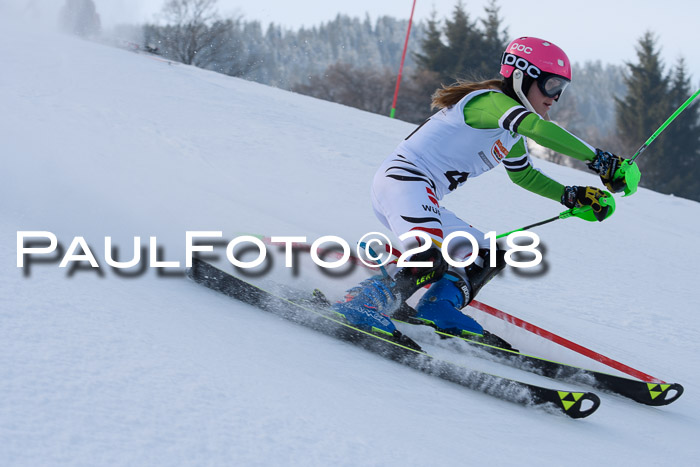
(586, 29)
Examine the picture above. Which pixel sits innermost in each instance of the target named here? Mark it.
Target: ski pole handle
(630, 172)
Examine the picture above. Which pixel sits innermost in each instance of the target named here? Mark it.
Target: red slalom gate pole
(564, 342)
(403, 58)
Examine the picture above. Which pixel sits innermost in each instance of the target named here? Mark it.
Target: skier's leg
(407, 203)
(442, 305)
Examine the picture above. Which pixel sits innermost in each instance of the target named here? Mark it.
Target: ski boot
(441, 306)
(480, 275)
(369, 304)
(366, 306)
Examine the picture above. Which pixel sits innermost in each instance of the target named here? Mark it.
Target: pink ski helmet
(542, 61)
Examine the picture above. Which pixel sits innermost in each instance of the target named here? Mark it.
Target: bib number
(456, 178)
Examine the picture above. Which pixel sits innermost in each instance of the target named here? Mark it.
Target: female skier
(479, 126)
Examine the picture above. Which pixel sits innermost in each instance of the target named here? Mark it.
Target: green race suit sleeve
(493, 110)
(526, 176)
(554, 137)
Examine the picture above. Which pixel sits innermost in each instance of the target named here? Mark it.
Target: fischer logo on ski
(568, 399)
(655, 390)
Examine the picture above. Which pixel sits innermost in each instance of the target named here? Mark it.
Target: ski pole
(573, 212)
(665, 124)
(375, 258)
(629, 171)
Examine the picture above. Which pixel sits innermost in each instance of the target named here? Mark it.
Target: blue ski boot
(440, 307)
(368, 304)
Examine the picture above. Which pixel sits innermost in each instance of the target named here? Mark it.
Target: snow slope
(100, 369)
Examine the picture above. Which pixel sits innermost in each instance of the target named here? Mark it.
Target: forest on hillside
(354, 61)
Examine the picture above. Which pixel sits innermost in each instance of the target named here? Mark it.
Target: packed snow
(147, 368)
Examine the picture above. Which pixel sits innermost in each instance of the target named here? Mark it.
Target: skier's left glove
(606, 164)
(579, 196)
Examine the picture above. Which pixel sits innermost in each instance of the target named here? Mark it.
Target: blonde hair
(447, 96)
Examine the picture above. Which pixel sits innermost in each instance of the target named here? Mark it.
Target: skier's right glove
(579, 196)
(606, 164)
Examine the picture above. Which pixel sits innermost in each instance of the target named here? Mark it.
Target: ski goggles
(552, 85)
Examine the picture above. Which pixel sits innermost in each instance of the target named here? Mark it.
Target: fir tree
(644, 109)
(463, 43)
(462, 49)
(495, 40)
(683, 139)
(434, 56)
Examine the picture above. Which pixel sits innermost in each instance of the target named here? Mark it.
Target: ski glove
(606, 164)
(579, 196)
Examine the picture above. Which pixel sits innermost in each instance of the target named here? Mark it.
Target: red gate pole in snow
(403, 57)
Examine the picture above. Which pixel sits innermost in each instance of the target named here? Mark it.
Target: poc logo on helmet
(521, 48)
(521, 64)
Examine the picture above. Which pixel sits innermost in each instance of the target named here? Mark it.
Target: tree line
(354, 62)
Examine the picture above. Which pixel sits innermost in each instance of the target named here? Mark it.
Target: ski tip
(578, 404)
(663, 393)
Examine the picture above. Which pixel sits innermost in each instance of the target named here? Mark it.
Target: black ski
(644, 392)
(399, 349)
